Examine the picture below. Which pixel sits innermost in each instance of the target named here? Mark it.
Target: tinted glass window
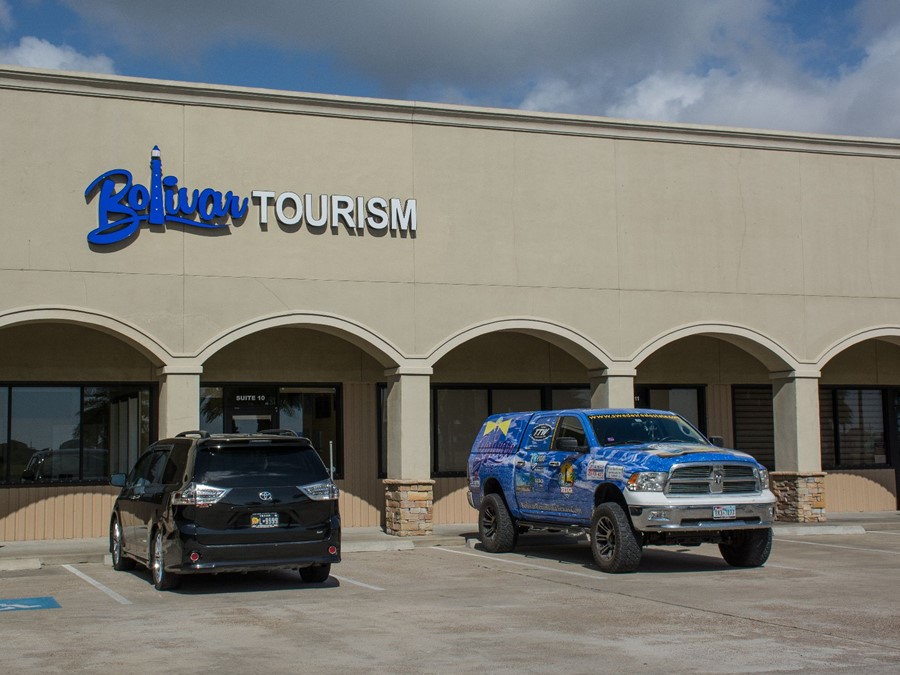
(138, 475)
(571, 427)
(625, 429)
(247, 466)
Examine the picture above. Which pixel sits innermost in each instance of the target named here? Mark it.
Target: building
(381, 275)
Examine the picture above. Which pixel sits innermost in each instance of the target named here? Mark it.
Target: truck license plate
(264, 520)
(724, 512)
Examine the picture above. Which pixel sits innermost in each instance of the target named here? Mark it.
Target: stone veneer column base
(408, 507)
(801, 496)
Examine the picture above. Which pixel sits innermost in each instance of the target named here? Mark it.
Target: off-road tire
(315, 574)
(496, 528)
(119, 562)
(614, 543)
(750, 548)
(162, 580)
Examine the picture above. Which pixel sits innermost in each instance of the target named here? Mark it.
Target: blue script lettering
(123, 205)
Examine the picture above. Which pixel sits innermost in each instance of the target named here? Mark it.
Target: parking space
(822, 604)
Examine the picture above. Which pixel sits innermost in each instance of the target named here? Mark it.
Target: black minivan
(201, 503)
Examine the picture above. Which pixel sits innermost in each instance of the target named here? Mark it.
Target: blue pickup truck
(628, 478)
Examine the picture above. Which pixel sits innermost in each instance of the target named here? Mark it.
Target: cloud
(37, 53)
(828, 67)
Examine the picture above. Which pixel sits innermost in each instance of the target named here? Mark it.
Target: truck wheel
(750, 548)
(496, 528)
(615, 545)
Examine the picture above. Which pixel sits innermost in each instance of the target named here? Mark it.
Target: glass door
(249, 410)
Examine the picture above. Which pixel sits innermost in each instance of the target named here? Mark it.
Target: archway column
(179, 398)
(612, 387)
(409, 489)
(798, 480)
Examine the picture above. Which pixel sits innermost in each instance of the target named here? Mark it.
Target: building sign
(123, 206)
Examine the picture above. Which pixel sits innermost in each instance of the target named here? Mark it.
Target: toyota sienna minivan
(201, 503)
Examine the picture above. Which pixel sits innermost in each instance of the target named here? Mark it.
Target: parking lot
(821, 604)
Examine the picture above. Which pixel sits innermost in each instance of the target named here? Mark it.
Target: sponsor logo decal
(501, 424)
(541, 432)
(615, 472)
(596, 470)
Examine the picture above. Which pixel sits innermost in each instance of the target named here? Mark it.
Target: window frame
(546, 400)
(153, 424)
(890, 436)
(339, 468)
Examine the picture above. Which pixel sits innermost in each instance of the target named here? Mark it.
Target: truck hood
(661, 456)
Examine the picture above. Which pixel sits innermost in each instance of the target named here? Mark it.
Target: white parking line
(356, 583)
(96, 584)
(882, 532)
(597, 575)
(852, 548)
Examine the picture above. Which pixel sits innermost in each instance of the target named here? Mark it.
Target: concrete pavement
(23, 555)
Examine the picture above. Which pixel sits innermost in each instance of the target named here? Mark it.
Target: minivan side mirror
(117, 480)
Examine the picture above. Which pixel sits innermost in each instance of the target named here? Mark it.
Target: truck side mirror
(717, 441)
(566, 444)
(117, 480)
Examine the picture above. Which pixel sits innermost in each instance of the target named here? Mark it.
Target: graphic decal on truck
(567, 477)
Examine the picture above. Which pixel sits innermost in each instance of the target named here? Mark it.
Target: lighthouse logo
(123, 205)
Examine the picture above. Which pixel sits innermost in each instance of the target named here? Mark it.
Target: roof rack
(195, 432)
(279, 432)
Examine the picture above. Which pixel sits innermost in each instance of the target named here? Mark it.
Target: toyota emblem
(265, 496)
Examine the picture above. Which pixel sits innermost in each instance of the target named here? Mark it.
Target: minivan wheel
(119, 562)
(315, 574)
(614, 543)
(162, 580)
(496, 528)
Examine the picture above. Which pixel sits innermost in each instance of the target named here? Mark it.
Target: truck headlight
(647, 481)
(763, 475)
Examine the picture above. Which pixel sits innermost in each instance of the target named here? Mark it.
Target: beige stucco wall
(615, 232)
(598, 243)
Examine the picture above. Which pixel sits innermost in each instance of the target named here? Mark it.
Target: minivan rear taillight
(322, 491)
(196, 494)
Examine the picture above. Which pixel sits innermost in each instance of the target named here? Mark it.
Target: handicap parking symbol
(19, 604)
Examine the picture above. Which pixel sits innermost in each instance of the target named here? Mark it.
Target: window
(689, 402)
(312, 411)
(459, 411)
(754, 422)
(852, 427)
(570, 427)
(72, 434)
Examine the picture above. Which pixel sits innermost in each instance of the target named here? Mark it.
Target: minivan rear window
(250, 466)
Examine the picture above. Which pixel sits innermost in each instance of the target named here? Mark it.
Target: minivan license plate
(264, 520)
(724, 512)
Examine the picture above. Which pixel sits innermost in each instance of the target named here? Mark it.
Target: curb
(810, 530)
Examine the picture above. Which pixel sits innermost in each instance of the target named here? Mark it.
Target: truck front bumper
(700, 518)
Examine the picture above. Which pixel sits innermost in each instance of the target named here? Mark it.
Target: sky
(819, 66)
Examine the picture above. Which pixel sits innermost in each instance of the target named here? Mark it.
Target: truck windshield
(634, 429)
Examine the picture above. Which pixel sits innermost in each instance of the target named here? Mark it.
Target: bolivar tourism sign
(124, 206)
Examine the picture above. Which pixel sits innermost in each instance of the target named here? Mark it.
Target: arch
(572, 342)
(147, 345)
(357, 334)
(886, 333)
(772, 355)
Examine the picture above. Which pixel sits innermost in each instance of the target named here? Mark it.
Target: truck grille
(707, 479)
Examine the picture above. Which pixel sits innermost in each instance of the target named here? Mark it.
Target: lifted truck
(628, 478)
